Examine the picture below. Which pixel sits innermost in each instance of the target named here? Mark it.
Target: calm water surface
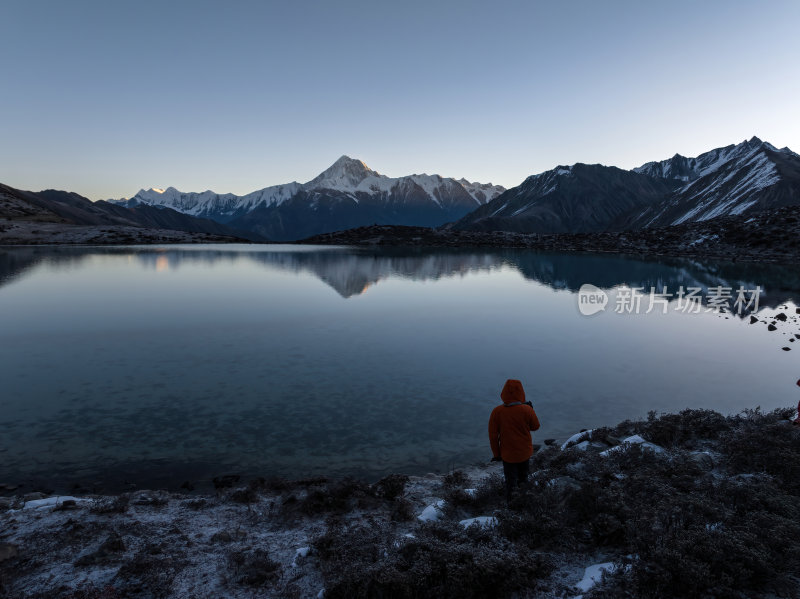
(156, 365)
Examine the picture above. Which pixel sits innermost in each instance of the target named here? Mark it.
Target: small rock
(772, 327)
(7, 551)
(549, 442)
(797, 310)
(781, 317)
(786, 348)
(753, 320)
(612, 441)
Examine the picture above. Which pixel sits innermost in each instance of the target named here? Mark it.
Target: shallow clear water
(156, 365)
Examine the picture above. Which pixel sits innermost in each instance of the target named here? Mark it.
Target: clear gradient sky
(106, 97)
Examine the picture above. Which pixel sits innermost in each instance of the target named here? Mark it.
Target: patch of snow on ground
(633, 440)
(433, 512)
(53, 502)
(593, 575)
(576, 438)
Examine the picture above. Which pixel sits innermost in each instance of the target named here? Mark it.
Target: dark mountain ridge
(581, 198)
(72, 209)
(742, 179)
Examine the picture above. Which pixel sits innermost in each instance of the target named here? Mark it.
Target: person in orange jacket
(510, 426)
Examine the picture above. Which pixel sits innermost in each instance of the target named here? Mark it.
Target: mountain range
(736, 180)
(61, 211)
(740, 179)
(346, 195)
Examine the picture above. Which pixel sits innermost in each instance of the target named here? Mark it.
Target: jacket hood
(512, 392)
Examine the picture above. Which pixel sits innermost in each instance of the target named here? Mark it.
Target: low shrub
(390, 487)
(442, 561)
(111, 505)
(254, 567)
(150, 571)
(340, 496)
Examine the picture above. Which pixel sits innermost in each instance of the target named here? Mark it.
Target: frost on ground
(713, 511)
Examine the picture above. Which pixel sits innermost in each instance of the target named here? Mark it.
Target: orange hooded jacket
(510, 426)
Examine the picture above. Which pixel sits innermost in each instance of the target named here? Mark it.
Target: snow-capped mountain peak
(346, 194)
(690, 169)
(345, 174)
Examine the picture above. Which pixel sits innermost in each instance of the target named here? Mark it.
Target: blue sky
(104, 98)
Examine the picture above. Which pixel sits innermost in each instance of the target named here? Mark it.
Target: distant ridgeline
(348, 194)
(750, 177)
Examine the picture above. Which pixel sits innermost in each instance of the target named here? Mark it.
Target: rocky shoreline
(680, 505)
(772, 236)
(47, 233)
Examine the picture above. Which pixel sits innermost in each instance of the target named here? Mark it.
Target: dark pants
(516, 474)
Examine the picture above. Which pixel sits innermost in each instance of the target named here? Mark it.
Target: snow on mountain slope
(747, 177)
(750, 176)
(351, 179)
(689, 169)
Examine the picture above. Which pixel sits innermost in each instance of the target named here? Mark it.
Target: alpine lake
(148, 366)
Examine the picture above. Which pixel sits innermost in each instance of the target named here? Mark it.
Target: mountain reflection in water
(154, 365)
(351, 271)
